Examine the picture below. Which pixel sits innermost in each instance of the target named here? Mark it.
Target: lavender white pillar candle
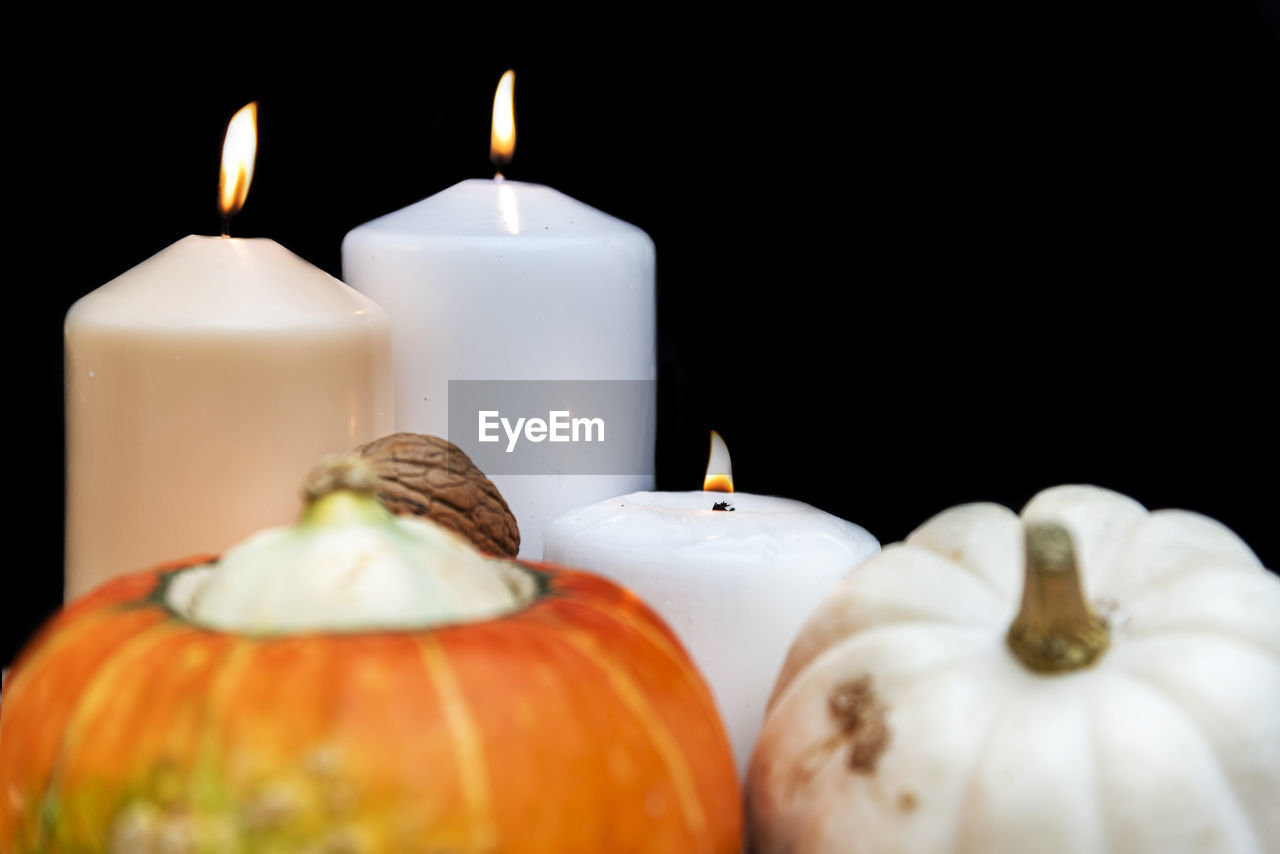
(503, 280)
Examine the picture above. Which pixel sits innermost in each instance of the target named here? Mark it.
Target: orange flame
(239, 149)
(719, 468)
(502, 137)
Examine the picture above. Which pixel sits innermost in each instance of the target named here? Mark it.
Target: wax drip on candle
(502, 134)
(239, 149)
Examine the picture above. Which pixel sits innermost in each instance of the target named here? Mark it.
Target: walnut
(430, 477)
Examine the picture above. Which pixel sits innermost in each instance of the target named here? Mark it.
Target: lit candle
(735, 575)
(503, 280)
(201, 384)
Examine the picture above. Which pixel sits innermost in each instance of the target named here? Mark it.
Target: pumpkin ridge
(1232, 801)
(25, 671)
(837, 648)
(995, 701)
(1194, 726)
(1152, 584)
(1128, 665)
(59, 631)
(92, 697)
(877, 586)
(1095, 762)
(468, 746)
(1204, 636)
(900, 685)
(659, 640)
(907, 681)
(938, 532)
(953, 559)
(633, 698)
(1216, 634)
(885, 564)
(1227, 550)
(230, 671)
(1167, 585)
(996, 725)
(1260, 590)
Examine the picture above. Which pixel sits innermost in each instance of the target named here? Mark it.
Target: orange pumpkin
(574, 723)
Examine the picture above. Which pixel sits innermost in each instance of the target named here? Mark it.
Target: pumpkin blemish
(908, 801)
(860, 718)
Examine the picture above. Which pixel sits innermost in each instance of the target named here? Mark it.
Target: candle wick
(226, 225)
(497, 176)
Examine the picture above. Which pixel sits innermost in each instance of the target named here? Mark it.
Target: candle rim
(438, 219)
(194, 285)
(789, 505)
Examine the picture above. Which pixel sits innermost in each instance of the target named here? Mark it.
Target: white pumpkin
(906, 719)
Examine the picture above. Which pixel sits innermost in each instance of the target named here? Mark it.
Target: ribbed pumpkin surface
(578, 724)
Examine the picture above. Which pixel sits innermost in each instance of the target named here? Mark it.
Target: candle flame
(238, 152)
(502, 138)
(719, 468)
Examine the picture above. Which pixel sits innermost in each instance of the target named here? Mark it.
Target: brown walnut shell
(430, 477)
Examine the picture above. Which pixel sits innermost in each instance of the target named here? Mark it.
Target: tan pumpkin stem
(1054, 631)
(348, 471)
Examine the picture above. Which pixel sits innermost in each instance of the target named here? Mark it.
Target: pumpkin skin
(1168, 742)
(577, 724)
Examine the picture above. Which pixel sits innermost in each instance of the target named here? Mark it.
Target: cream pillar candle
(200, 387)
(504, 280)
(734, 584)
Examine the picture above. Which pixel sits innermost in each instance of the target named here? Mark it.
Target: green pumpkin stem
(343, 488)
(1055, 631)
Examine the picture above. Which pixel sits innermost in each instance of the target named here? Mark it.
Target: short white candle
(504, 280)
(735, 585)
(201, 387)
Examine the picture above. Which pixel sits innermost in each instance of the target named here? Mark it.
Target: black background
(906, 259)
